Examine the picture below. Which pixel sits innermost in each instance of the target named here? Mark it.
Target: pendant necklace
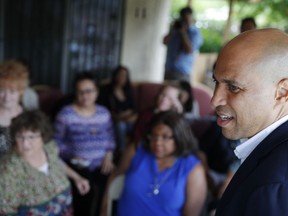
(158, 183)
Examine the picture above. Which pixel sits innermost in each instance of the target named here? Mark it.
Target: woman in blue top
(163, 176)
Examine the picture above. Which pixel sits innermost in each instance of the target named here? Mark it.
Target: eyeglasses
(28, 138)
(86, 91)
(152, 137)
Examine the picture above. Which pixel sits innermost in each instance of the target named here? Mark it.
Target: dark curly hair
(33, 121)
(185, 141)
(84, 75)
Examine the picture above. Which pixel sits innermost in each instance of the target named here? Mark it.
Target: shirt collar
(248, 145)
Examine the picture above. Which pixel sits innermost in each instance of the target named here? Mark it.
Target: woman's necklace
(157, 183)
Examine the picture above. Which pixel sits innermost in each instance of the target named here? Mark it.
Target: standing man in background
(183, 43)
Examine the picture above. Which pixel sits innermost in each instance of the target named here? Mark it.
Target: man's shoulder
(195, 34)
(278, 156)
(194, 29)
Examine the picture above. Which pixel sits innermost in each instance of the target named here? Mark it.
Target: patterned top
(5, 141)
(88, 138)
(24, 190)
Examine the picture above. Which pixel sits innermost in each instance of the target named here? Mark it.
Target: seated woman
(33, 180)
(117, 96)
(166, 99)
(191, 107)
(163, 176)
(85, 135)
(13, 82)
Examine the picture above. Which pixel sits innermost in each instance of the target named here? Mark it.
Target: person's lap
(90, 202)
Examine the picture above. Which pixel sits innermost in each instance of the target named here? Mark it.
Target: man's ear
(282, 90)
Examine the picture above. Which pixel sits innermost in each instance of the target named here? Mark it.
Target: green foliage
(176, 5)
(211, 30)
(212, 41)
(268, 13)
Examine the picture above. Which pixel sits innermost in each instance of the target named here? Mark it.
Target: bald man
(251, 101)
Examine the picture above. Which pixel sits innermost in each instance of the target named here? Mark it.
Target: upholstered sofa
(144, 96)
(145, 93)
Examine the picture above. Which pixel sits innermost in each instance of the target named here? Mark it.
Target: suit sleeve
(269, 200)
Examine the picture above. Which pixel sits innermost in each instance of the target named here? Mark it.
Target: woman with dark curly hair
(33, 180)
(163, 176)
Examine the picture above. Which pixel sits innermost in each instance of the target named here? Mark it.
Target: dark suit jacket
(260, 186)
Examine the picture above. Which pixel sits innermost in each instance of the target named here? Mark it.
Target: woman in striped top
(84, 133)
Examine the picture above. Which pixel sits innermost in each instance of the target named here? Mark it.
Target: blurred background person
(163, 176)
(117, 96)
(85, 135)
(33, 180)
(13, 82)
(220, 162)
(166, 99)
(30, 98)
(247, 24)
(190, 106)
(183, 43)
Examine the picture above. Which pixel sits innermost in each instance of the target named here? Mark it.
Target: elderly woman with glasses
(163, 176)
(33, 180)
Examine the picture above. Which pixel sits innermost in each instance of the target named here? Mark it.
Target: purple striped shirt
(82, 137)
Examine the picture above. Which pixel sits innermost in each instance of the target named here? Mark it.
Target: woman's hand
(82, 185)
(107, 164)
(127, 116)
(176, 104)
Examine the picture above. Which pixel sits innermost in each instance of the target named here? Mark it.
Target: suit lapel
(278, 136)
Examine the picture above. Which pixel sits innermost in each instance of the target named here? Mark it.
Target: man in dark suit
(251, 101)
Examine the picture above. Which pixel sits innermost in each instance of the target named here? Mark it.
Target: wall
(145, 24)
(203, 69)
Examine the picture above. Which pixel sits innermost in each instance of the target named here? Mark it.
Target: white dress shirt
(244, 150)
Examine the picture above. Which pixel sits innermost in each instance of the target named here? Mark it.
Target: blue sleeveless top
(138, 198)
